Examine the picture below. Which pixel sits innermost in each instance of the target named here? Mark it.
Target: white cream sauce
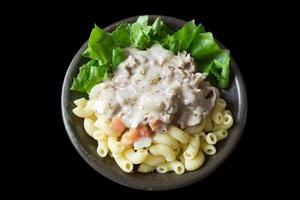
(154, 85)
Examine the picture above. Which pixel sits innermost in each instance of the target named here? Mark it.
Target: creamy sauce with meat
(155, 85)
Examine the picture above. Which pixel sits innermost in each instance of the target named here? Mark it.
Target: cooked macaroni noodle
(176, 150)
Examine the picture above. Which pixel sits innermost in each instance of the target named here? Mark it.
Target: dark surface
(42, 38)
(86, 146)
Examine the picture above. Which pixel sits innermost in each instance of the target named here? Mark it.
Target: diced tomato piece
(144, 131)
(117, 124)
(130, 136)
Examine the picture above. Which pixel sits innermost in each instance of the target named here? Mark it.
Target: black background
(56, 32)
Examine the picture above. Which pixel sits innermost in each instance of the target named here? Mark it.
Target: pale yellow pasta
(80, 102)
(220, 104)
(98, 135)
(192, 148)
(178, 134)
(197, 128)
(194, 163)
(162, 138)
(114, 145)
(221, 134)
(89, 127)
(227, 122)
(82, 112)
(217, 117)
(104, 125)
(152, 160)
(89, 105)
(211, 138)
(123, 163)
(175, 166)
(163, 150)
(176, 150)
(143, 168)
(208, 148)
(102, 148)
(136, 157)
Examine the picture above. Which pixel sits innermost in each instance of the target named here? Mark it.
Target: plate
(86, 146)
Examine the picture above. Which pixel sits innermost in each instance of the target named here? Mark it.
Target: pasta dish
(155, 108)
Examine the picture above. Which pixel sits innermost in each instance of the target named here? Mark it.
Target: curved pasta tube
(178, 134)
(98, 135)
(152, 160)
(211, 138)
(208, 148)
(217, 117)
(104, 125)
(123, 163)
(143, 168)
(82, 112)
(89, 127)
(221, 134)
(192, 148)
(162, 138)
(227, 122)
(175, 166)
(220, 104)
(102, 148)
(90, 105)
(136, 157)
(80, 102)
(163, 150)
(114, 145)
(194, 163)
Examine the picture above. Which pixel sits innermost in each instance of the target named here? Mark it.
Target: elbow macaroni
(114, 145)
(177, 150)
(192, 148)
(161, 138)
(136, 157)
(163, 150)
(123, 163)
(178, 134)
(175, 166)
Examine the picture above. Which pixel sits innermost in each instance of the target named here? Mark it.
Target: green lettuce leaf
(142, 20)
(204, 47)
(121, 35)
(100, 46)
(97, 75)
(89, 75)
(118, 55)
(86, 53)
(222, 62)
(106, 50)
(140, 36)
(181, 40)
(218, 69)
(160, 30)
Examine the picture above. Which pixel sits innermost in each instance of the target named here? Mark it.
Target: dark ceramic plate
(86, 146)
